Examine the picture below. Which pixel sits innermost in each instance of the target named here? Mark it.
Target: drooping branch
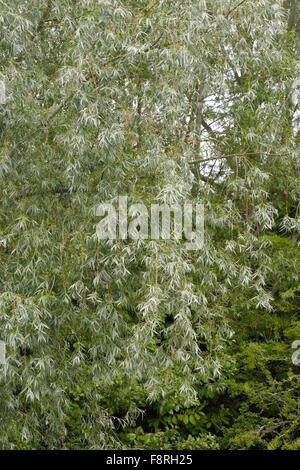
(62, 104)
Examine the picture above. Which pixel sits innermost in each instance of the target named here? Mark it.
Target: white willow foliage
(109, 98)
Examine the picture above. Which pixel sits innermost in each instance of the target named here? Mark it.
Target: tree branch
(235, 8)
(237, 155)
(208, 128)
(60, 106)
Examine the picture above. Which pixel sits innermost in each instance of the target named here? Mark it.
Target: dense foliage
(142, 343)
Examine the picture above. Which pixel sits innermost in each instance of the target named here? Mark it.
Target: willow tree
(165, 102)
